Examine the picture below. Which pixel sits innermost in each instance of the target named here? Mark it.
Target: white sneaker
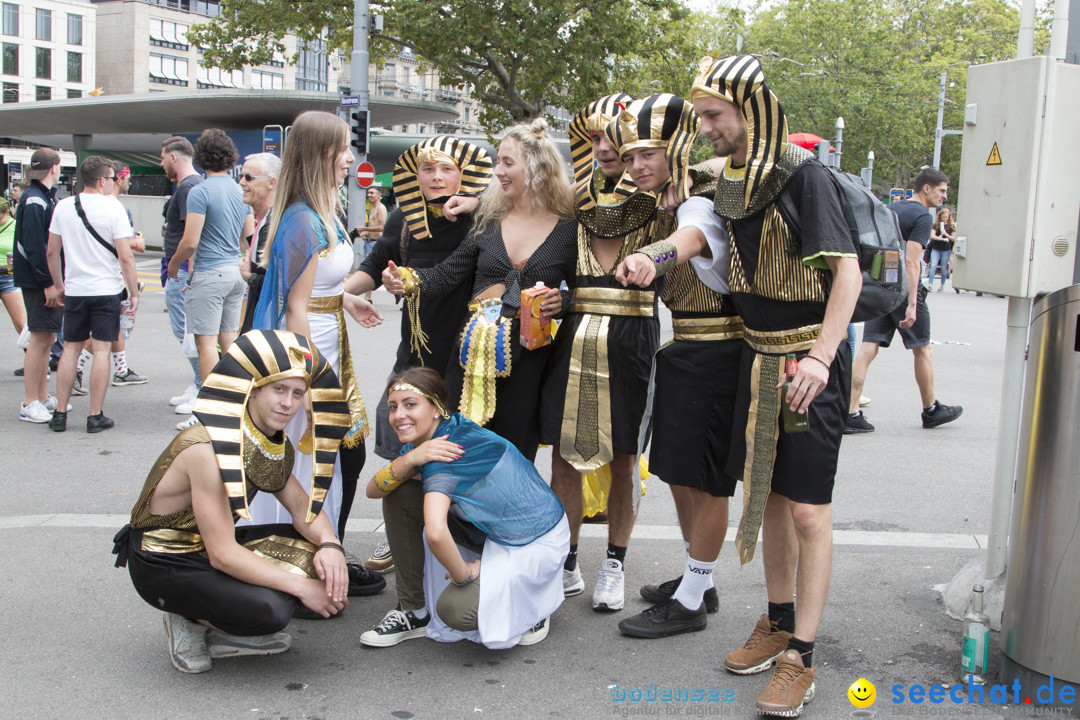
(572, 583)
(536, 633)
(185, 424)
(51, 403)
(863, 401)
(187, 644)
(35, 412)
(185, 408)
(608, 595)
(184, 397)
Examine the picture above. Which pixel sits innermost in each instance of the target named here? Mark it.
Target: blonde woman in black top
(524, 234)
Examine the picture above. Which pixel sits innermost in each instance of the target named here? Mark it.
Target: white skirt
(519, 587)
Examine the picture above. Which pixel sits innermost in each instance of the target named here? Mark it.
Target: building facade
(47, 49)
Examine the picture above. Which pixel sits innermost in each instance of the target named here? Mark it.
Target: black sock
(571, 559)
(782, 616)
(617, 553)
(932, 409)
(804, 648)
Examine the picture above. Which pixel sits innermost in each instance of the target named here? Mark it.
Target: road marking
(852, 538)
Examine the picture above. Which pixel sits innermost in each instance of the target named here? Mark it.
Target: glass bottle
(976, 641)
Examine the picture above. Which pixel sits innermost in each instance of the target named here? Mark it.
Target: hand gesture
(391, 279)
(637, 269)
(435, 450)
(362, 311)
(314, 596)
(330, 565)
(459, 205)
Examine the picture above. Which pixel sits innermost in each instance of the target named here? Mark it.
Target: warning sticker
(995, 156)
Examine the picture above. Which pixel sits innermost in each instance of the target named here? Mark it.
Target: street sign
(350, 100)
(272, 139)
(365, 174)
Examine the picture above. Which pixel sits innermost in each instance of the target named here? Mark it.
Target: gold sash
(291, 554)
(708, 328)
(360, 426)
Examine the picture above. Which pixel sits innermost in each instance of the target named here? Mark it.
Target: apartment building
(48, 49)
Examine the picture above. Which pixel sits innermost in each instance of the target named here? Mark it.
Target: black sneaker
(664, 619)
(854, 424)
(97, 423)
(943, 414)
(17, 372)
(363, 581)
(666, 590)
(58, 423)
(398, 626)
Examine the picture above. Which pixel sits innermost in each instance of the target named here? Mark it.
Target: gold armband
(387, 480)
(664, 254)
(412, 282)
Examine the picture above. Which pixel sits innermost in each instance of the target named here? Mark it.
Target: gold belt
(613, 301)
(781, 342)
(708, 328)
(330, 304)
(359, 427)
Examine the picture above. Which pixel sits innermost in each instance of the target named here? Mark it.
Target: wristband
(411, 281)
(386, 479)
(819, 360)
(464, 582)
(331, 545)
(664, 254)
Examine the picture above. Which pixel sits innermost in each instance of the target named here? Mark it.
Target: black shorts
(38, 317)
(881, 330)
(693, 412)
(96, 316)
(805, 467)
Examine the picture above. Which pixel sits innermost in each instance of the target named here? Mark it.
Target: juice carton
(534, 332)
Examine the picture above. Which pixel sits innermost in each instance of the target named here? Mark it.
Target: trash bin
(1040, 623)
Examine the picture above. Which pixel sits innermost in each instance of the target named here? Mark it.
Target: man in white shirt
(93, 232)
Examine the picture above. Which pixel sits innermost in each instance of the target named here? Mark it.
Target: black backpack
(875, 231)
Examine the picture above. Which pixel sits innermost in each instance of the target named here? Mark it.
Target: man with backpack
(912, 320)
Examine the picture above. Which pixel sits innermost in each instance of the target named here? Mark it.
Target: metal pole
(1025, 44)
(358, 68)
(839, 142)
(940, 120)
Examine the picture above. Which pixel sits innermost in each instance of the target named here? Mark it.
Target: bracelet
(331, 545)
(387, 480)
(827, 367)
(410, 280)
(664, 254)
(464, 582)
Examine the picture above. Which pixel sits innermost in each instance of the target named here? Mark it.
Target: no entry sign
(365, 174)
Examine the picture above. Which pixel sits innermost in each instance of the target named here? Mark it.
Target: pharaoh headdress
(473, 161)
(258, 358)
(664, 122)
(594, 118)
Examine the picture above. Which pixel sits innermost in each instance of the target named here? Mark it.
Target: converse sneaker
(608, 594)
(665, 590)
(855, 424)
(666, 618)
(78, 388)
(362, 581)
(187, 644)
(35, 412)
(128, 377)
(942, 414)
(790, 687)
(185, 424)
(398, 626)
(186, 396)
(222, 645)
(764, 645)
(536, 633)
(381, 560)
(572, 582)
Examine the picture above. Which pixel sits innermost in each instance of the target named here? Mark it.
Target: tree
(518, 56)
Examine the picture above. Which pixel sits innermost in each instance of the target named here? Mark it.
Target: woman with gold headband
(496, 535)
(225, 590)
(306, 260)
(524, 235)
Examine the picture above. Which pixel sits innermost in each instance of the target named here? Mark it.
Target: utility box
(1019, 178)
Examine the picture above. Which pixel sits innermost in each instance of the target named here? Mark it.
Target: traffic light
(360, 131)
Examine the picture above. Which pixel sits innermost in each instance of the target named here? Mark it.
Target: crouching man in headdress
(229, 591)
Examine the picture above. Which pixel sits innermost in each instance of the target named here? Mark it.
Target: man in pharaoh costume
(228, 591)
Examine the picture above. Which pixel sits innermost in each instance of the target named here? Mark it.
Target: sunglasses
(249, 177)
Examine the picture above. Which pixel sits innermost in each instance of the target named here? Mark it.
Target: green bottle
(793, 422)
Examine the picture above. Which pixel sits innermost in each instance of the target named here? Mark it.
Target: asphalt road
(910, 508)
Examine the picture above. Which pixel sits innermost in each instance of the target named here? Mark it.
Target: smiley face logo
(862, 693)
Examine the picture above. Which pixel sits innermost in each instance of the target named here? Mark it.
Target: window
(43, 28)
(168, 34)
(466, 113)
(74, 29)
(11, 59)
(11, 20)
(169, 70)
(74, 67)
(43, 63)
(42, 93)
(210, 78)
(11, 92)
(267, 81)
(312, 67)
(72, 94)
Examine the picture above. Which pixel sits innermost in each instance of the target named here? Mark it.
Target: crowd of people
(260, 281)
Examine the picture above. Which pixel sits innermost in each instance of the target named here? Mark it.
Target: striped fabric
(473, 161)
(594, 118)
(658, 121)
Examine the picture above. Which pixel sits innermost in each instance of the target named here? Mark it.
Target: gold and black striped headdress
(663, 121)
(740, 80)
(473, 161)
(594, 118)
(258, 358)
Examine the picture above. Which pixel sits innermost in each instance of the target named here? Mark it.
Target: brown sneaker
(757, 653)
(791, 685)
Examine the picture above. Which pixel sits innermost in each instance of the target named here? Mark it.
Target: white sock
(119, 362)
(695, 582)
(687, 544)
(84, 357)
